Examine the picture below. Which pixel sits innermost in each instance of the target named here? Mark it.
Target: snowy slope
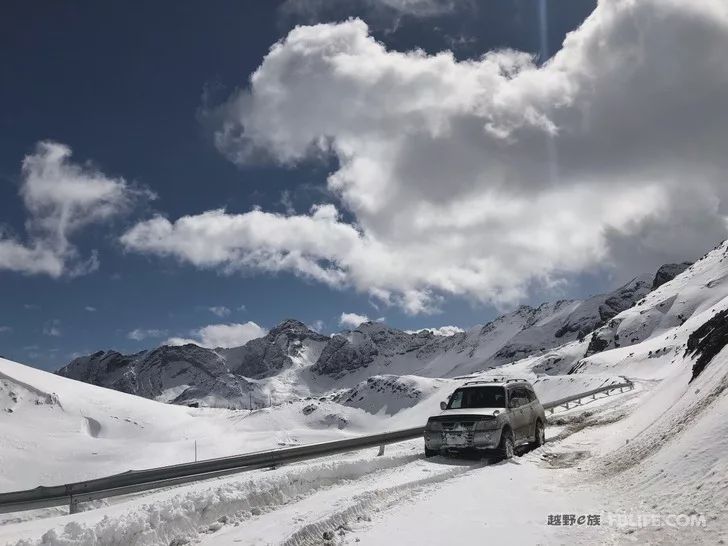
(699, 287)
(56, 430)
(526, 331)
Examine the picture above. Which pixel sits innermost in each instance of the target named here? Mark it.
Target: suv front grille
(458, 427)
(458, 433)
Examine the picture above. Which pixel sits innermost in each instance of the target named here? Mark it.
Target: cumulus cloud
(352, 320)
(61, 198)
(219, 310)
(140, 334)
(221, 335)
(484, 178)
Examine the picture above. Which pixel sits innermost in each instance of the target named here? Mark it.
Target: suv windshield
(478, 397)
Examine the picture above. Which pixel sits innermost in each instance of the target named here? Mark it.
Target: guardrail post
(566, 405)
(73, 506)
(381, 450)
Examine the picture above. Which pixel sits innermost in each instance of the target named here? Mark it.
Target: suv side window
(521, 395)
(515, 398)
(531, 395)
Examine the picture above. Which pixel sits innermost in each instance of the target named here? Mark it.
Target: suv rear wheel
(431, 453)
(507, 445)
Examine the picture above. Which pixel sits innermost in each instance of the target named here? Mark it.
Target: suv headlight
(433, 426)
(484, 424)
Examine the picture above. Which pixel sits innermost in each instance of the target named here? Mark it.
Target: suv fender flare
(505, 428)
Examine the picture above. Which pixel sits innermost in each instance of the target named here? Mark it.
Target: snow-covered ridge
(292, 361)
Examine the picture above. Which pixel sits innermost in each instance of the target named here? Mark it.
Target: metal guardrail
(135, 481)
(577, 398)
(153, 478)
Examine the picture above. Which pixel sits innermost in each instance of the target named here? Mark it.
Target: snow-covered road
(398, 498)
(306, 503)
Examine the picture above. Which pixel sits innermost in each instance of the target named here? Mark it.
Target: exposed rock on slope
(707, 341)
(668, 272)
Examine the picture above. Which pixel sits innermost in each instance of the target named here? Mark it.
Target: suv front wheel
(507, 445)
(539, 436)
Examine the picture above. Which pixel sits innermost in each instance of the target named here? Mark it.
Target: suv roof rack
(496, 380)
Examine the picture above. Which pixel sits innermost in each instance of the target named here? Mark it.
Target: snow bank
(183, 513)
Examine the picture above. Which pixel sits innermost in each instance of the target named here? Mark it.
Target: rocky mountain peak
(294, 329)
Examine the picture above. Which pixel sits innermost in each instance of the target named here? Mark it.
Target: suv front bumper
(482, 439)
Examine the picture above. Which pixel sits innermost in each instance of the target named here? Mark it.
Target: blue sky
(136, 91)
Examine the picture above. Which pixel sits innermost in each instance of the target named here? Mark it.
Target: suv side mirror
(443, 405)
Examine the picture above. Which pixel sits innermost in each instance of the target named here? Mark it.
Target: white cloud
(221, 335)
(90, 309)
(219, 310)
(52, 328)
(352, 320)
(5, 329)
(318, 10)
(139, 334)
(317, 326)
(61, 198)
(487, 178)
(444, 331)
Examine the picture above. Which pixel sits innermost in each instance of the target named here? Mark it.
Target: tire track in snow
(363, 504)
(306, 520)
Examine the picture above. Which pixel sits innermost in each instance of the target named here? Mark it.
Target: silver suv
(494, 416)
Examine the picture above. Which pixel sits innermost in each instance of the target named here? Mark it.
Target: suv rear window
(478, 397)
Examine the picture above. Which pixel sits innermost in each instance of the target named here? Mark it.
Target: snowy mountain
(293, 362)
(190, 374)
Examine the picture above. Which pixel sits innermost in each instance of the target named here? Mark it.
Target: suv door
(520, 413)
(531, 413)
